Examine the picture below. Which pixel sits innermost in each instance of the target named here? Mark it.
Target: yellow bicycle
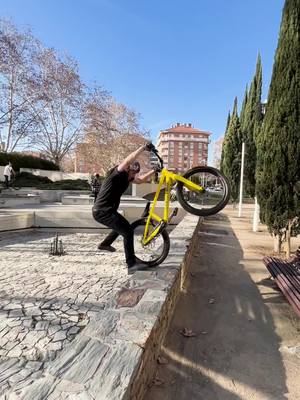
(201, 191)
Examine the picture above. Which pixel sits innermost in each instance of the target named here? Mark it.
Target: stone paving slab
(77, 326)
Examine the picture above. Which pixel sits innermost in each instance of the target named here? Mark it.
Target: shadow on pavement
(235, 353)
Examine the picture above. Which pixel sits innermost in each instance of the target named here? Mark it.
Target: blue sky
(173, 61)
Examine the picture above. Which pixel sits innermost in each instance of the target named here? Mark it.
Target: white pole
(242, 180)
(256, 216)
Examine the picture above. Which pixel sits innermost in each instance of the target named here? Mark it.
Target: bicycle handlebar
(155, 151)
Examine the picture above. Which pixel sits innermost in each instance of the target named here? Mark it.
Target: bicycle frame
(168, 179)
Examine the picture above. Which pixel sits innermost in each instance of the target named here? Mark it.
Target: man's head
(133, 169)
(97, 176)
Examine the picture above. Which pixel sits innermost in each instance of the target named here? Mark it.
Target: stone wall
(147, 368)
(143, 189)
(57, 175)
(1, 173)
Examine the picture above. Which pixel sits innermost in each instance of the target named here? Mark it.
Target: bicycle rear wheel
(209, 201)
(153, 253)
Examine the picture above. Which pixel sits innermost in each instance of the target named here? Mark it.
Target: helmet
(135, 167)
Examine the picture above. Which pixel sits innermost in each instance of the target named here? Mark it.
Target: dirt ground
(247, 337)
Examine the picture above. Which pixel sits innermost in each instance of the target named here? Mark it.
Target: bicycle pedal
(146, 210)
(174, 213)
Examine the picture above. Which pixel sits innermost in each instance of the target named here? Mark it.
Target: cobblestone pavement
(45, 300)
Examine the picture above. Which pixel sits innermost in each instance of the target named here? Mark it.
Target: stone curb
(183, 241)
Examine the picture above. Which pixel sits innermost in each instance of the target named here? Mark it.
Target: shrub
(26, 179)
(69, 184)
(20, 160)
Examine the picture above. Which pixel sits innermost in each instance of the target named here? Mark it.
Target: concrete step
(85, 199)
(10, 222)
(12, 200)
(64, 216)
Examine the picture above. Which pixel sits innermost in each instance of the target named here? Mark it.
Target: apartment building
(182, 147)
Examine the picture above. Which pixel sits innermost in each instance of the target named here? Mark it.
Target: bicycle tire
(203, 212)
(166, 244)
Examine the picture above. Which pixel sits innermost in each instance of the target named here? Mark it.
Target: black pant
(6, 181)
(95, 196)
(119, 226)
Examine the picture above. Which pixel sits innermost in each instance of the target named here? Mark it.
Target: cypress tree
(232, 153)
(250, 122)
(278, 171)
(222, 153)
(244, 105)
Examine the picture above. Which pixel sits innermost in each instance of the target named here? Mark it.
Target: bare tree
(45, 105)
(97, 114)
(112, 131)
(59, 108)
(16, 75)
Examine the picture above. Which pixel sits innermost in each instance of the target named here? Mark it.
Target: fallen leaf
(162, 360)
(157, 381)
(211, 301)
(187, 332)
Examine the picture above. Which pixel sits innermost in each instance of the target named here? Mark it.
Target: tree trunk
(277, 244)
(288, 240)
(256, 216)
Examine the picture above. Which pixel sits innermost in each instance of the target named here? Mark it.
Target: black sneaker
(103, 247)
(137, 267)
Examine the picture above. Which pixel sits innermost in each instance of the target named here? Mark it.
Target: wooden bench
(287, 276)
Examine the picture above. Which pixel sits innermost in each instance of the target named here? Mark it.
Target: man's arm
(129, 159)
(143, 178)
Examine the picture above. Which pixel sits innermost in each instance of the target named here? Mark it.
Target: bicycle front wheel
(153, 253)
(206, 202)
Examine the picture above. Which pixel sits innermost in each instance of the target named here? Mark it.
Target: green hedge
(20, 160)
(26, 179)
(69, 184)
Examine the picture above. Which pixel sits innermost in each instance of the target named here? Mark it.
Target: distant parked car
(214, 189)
(173, 194)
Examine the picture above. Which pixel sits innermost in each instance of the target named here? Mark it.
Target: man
(108, 200)
(8, 172)
(96, 185)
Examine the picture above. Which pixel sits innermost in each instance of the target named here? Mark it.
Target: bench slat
(292, 270)
(288, 271)
(294, 294)
(285, 282)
